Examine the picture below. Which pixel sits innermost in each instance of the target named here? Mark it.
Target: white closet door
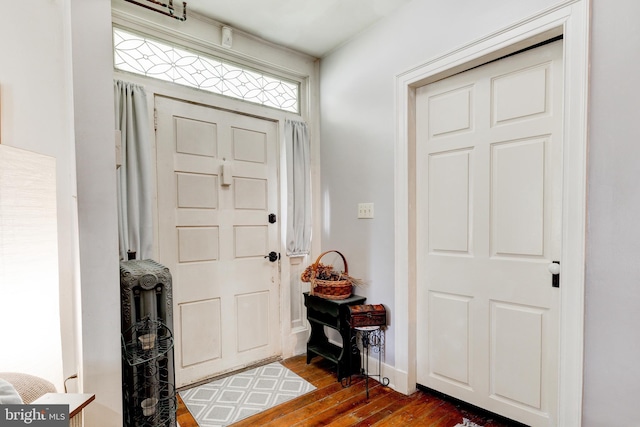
(489, 174)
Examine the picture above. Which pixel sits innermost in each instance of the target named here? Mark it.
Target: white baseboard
(397, 378)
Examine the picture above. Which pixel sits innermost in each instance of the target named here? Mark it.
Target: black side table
(334, 314)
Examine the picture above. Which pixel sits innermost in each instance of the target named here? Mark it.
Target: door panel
(200, 332)
(449, 198)
(450, 112)
(197, 191)
(196, 137)
(516, 353)
(214, 234)
(251, 241)
(520, 94)
(249, 146)
(198, 244)
(517, 195)
(252, 335)
(489, 174)
(449, 333)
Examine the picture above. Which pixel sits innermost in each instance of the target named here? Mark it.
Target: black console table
(334, 314)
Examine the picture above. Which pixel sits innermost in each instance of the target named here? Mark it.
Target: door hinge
(155, 119)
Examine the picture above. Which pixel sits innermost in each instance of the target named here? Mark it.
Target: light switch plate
(365, 210)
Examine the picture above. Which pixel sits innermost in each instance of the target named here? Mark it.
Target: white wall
(358, 130)
(612, 367)
(56, 98)
(99, 349)
(357, 126)
(36, 115)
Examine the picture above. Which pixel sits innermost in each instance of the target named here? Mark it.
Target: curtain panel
(135, 181)
(297, 146)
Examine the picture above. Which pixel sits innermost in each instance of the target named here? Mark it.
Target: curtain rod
(168, 6)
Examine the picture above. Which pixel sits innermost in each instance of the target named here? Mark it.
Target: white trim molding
(570, 19)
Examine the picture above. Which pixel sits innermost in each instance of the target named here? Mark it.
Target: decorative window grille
(140, 55)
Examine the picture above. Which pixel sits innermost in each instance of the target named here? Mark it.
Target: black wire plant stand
(371, 339)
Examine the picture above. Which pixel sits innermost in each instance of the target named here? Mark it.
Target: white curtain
(135, 223)
(298, 188)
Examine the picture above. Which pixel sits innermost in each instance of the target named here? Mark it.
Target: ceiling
(314, 27)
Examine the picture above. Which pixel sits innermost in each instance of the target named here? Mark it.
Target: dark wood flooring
(333, 405)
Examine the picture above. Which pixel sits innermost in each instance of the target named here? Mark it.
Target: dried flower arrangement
(328, 283)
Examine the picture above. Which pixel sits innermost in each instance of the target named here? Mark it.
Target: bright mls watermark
(34, 415)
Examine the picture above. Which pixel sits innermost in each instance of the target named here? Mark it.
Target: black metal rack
(148, 380)
(136, 341)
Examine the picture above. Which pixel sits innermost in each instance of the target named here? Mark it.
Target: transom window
(140, 55)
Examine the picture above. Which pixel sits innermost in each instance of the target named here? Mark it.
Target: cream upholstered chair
(29, 387)
(17, 388)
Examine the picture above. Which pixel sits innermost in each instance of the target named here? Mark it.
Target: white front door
(489, 192)
(217, 177)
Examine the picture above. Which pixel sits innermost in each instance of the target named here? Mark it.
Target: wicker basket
(330, 289)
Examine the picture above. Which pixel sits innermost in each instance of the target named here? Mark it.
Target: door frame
(570, 19)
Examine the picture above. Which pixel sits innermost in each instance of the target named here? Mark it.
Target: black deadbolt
(555, 281)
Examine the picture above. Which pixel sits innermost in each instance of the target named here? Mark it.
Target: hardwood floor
(333, 405)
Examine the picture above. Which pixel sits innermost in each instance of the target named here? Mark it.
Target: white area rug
(228, 400)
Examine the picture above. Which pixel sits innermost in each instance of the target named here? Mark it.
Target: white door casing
(217, 183)
(570, 18)
(489, 174)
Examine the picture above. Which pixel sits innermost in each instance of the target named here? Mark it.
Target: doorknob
(273, 256)
(554, 269)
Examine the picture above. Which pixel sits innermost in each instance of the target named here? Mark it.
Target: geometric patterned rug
(228, 400)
